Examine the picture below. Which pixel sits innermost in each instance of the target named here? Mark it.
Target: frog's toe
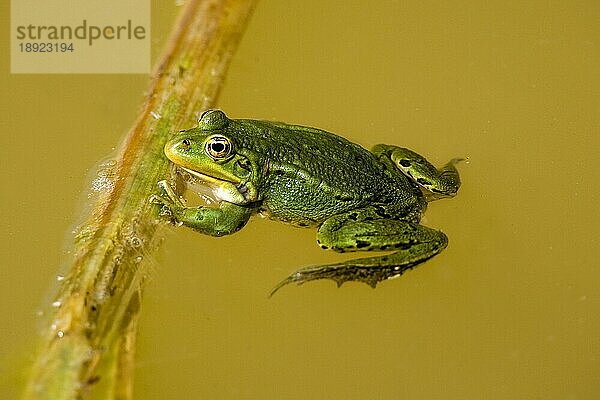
(289, 279)
(160, 200)
(299, 277)
(155, 199)
(163, 188)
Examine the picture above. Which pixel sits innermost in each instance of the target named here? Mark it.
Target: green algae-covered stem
(87, 349)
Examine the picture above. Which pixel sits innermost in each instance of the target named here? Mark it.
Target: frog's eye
(218, 147)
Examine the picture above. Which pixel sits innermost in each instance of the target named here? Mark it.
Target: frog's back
(321, 173)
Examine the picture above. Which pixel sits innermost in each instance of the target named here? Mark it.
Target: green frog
(358, 200)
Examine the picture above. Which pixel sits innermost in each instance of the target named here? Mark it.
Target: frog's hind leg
(441, 183)
(412, 245)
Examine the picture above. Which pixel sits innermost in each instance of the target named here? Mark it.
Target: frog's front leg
(442, 183)
(357, 230)
(224, 220)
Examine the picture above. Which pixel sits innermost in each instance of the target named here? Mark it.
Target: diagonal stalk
(87, 351)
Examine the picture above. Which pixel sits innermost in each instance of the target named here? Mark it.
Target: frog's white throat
(221, 190)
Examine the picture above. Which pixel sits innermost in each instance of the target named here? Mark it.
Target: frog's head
(209, 153)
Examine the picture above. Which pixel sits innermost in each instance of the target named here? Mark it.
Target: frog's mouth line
(242, 188)
(201, 176)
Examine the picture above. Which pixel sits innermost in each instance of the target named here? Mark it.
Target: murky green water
(508, 311)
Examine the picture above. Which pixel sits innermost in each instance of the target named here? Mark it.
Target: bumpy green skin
(358, 199)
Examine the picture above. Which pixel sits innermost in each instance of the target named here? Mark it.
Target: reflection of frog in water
(359, 200)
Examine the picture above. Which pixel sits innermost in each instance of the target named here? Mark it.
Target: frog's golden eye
(218, 147)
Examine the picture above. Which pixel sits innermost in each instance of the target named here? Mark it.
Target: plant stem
(87, 351)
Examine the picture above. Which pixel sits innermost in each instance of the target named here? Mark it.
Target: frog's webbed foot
(167, 199)
(165, 195)
(346, 272)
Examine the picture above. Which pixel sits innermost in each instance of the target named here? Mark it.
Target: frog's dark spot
(362, 243)
(384, 247)
(353, 216)
(324, 247)
(278, 172)
(343, 197)
(302, 224)
(403, 246)
(405, 163)
(94, 308)
(369, 218)
(381, 212)
(423, 181)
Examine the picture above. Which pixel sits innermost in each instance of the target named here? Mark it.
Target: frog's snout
(175, 148)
